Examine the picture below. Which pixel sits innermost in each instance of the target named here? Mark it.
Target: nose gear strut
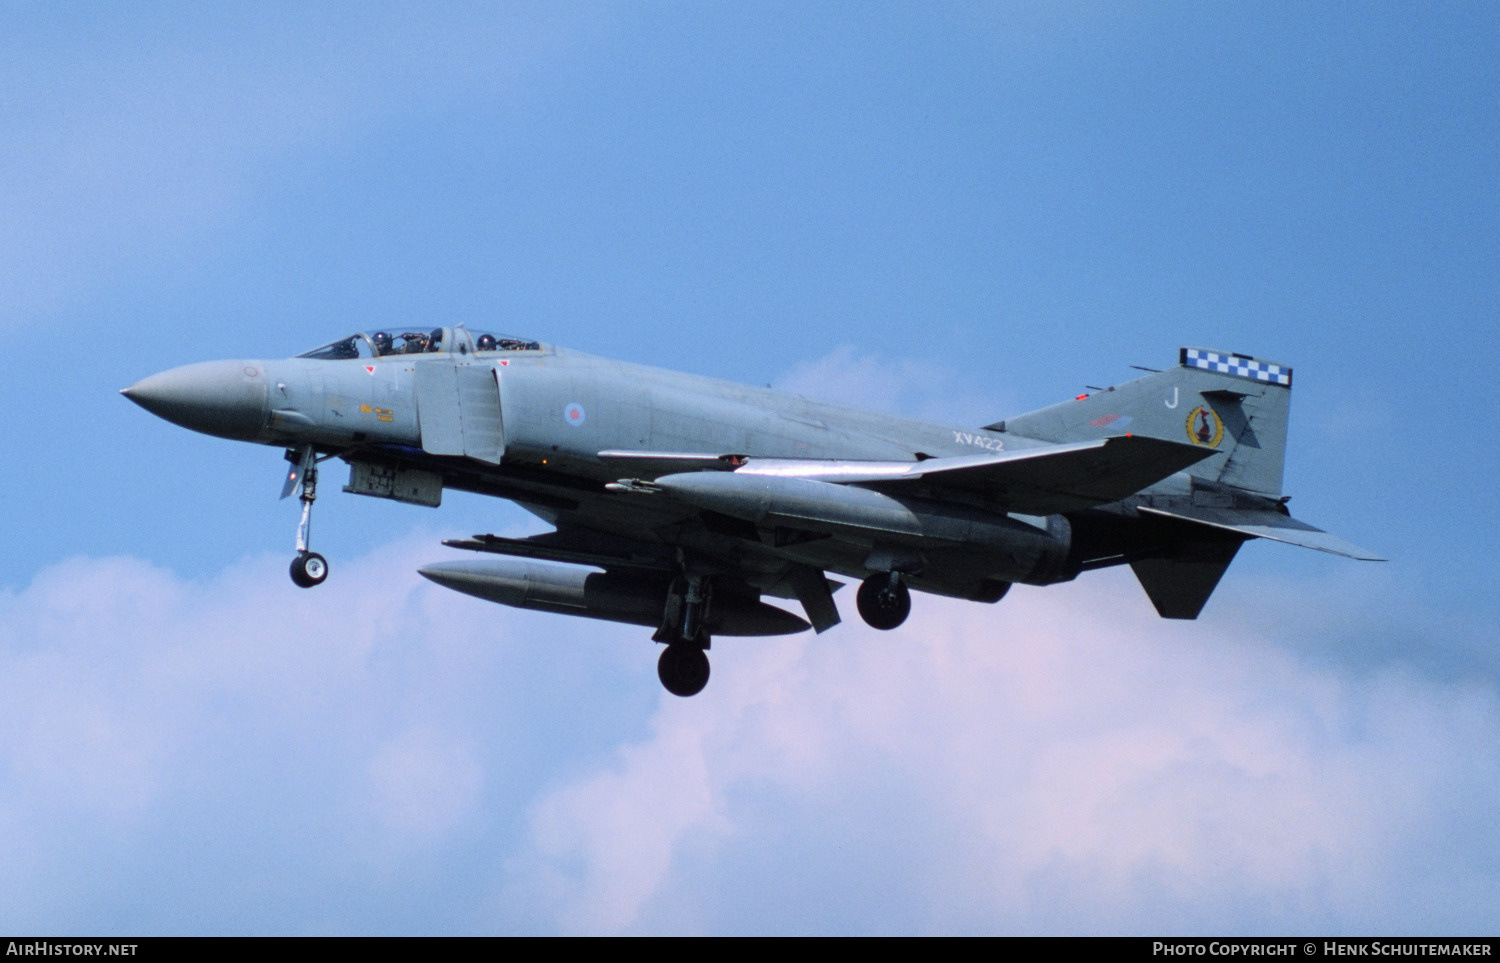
(308, 568)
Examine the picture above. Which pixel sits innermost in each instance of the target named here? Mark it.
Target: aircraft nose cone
(223, 398)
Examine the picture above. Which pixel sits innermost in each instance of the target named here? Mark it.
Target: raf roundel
(574, 414)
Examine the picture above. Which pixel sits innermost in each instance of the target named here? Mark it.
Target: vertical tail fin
(1233, 403)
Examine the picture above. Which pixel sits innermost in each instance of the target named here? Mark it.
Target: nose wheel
(308, 568)
(884, 600)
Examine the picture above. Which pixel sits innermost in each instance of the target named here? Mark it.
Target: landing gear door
(458, 410)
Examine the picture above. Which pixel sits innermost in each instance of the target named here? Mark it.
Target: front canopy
(381, 344)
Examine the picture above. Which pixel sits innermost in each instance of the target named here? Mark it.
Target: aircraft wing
(1033, 481)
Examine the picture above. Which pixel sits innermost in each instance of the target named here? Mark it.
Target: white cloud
(383, 755)
(139, 710)
(423, 783)
(618, 830)
(1069, 762)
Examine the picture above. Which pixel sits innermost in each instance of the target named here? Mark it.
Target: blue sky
(953, 211)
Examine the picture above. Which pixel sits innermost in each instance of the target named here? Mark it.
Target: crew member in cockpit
(383, 344)
(486, 342)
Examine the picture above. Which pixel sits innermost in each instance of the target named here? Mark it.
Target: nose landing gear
(308, 568)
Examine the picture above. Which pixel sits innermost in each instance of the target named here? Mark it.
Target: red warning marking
(370, 368)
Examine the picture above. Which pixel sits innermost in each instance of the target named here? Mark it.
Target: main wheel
(683, 669)
(309, 569)
(882, 603)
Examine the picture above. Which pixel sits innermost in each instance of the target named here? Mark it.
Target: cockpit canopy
(383, 344)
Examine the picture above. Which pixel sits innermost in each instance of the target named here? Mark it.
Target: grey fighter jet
(680, 502)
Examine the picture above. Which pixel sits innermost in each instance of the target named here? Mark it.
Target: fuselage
(559, 410)
(557, 405)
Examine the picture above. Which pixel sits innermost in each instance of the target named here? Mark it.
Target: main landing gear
(308, 568)
(884, 601)
(683, 669)
(683, 666)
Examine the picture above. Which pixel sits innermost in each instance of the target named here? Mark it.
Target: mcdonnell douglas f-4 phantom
(679, 502)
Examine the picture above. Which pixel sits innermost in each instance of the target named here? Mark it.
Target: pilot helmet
(486, 342)
(435, 340)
